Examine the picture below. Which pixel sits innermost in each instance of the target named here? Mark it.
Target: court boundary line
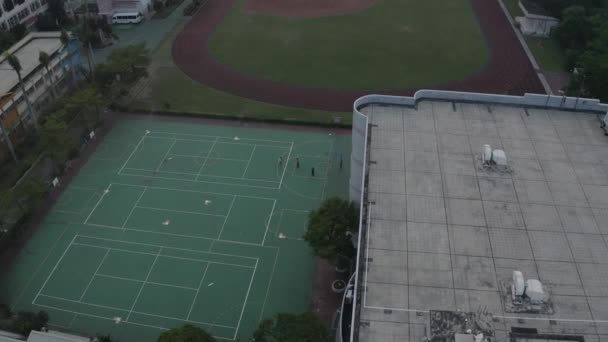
(206, 158)
(219, 136)
(286, 163)
(167, 247)
(200, 283)
(194, 174)
(174, 137)
(226, 217)
(164, 158)
(219, 235)
(122, 310)
(162, 255)
(133, 207)
(269, 220)
(103, 194)
(236, 331)
(141, 288)
(40, 267)
(185, 190)
(222, 142)
(133, 152)
(94, 274)
(199, 181)
(144, 282)
(249, 161)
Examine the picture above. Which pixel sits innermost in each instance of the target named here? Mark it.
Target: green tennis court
(171, 223)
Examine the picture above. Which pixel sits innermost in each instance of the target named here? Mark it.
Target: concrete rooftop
(445, 234)
(27, 51)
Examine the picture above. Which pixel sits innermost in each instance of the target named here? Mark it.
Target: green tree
(292, 328)
(54, 136)
(31, 193)
(330, 228)
(45, 61)
(27, 321)
(186, 333)
(573, 33)
(593, 79)
(13, 61)
(83, 102)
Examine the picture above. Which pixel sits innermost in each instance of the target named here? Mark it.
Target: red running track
(508, 72)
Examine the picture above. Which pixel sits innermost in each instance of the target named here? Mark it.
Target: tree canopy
(292, 328)
(27, 321)
(186, 333)
(329, 227)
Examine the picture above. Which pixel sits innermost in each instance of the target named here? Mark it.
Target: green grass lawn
(548, 53)
(169, 85)
(394, 44)
(513, 8)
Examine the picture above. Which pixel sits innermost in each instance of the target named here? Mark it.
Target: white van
(127, 18)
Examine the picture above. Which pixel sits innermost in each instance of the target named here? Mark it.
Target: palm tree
(9, 143)
(13, 61)
(45, 60)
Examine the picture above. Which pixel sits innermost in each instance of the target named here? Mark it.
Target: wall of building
(25, 12)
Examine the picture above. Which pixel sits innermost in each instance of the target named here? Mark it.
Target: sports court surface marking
(171, 223)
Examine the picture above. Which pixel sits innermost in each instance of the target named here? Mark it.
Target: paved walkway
(151, 32)
(508, 72)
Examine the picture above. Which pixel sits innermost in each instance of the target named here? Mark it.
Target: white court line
(206, 158)
(40, 266)
(219, 236)
(174, 234)
(99, 201)
(194, 174)
(286, 163)
(100, 317)
(132, 153)
(202, 181)
(269, 219)
(179, 211)
(224, 137)
(171, 172)
(54, 268)
(94, 274)
(133, 208)
(222, 142)
(141, 281)
(197, 291)
(163, 255)
(276, 257)
(144, 283)
(125, 310)
(249, 161)
(245, 302)
(195, 191)
(198, 156)
(166, 247)
(164, 159)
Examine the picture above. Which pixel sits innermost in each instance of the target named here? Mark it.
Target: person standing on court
(312, 171)
(297, 163)
(280, 160)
